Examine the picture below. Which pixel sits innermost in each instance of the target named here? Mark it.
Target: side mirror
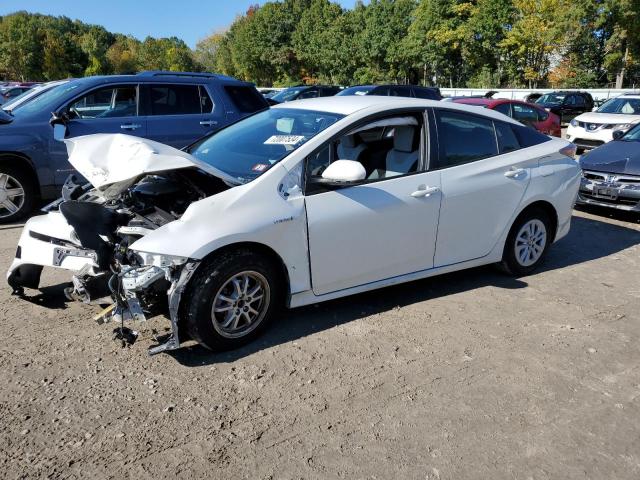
(59, 124)
(618, 134)
(59, 132)
(342, 173)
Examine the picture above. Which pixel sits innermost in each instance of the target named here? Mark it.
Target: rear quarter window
(528, 137)
(245, 99)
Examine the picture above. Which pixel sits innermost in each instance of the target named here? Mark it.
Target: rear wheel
(527, 242)
(17, 193)
(232, 299)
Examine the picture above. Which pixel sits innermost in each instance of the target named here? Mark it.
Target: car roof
(160, 76)
(350, 104)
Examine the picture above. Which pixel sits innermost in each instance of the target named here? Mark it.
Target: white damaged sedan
(304, 202)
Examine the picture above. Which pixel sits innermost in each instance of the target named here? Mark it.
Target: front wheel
(232, 299)
(527, 243)
(17, 194)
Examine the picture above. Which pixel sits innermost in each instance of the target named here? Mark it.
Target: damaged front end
(136, 186)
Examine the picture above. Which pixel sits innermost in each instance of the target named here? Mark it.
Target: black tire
(215, 275)
(513, 265)
(16, 177)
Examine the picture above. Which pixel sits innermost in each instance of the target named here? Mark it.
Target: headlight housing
(573, 123)
(160, 260)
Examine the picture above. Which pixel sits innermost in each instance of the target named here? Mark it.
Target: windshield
(362, 90)
(288, 94)
(632, 135)
(551, 98)
(247, 149)
(48, 99)
(621, 105)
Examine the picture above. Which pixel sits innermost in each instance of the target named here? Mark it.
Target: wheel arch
(257, 247)
(546, 207)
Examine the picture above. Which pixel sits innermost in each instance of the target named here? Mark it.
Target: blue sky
(190, 20)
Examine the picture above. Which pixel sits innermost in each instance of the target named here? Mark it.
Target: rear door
(484, 176)
(180, 113)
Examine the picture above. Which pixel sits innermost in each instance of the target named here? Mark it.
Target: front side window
(504, 108)
(386, 148)
(175, 99)
(250, 147)
(109, 102)
(464, 138)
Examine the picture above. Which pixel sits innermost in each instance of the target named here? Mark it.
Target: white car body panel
(359, 238)
(370, 232)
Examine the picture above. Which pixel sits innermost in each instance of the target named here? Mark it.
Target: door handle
(130, 126)
(514, 172)
(424, 191)
(208, 123)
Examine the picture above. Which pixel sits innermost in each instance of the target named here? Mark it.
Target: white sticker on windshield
(284, 140)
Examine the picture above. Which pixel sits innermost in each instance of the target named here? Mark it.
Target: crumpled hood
(609, 118)
(614, 157)
(114, 162)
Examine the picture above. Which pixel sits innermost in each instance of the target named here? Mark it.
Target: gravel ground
(471, 375)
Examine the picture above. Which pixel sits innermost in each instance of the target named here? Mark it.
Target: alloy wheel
(11, 195)
(240, 304)
(530, 243)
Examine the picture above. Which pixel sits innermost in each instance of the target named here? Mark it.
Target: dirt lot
(471, 375)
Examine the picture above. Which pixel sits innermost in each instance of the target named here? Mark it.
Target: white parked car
(592, 129)
(298, 204)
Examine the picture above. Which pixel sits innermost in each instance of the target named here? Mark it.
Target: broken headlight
(160, 260)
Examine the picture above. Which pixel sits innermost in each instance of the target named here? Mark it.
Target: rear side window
(175, 99)
(206, 103)
(528, 137)
(245, 99)
(507, 140)
(464, 138)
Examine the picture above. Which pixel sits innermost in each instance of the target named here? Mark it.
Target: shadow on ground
(588, 240)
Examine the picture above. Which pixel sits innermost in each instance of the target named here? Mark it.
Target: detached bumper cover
(48, 241)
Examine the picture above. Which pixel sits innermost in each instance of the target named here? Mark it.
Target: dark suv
(169, 107)
(566, 105)
(304, 91)
(415, 91)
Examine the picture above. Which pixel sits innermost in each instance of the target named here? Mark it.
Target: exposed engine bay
(90, 229)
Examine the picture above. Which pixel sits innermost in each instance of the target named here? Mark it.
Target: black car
(611, 173)
(567, 105)
(414, 91)
(304, 91)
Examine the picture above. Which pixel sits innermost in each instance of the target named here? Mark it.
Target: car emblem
(592, 126)
(611, 178)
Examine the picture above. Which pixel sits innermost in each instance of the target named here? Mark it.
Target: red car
(533, 115)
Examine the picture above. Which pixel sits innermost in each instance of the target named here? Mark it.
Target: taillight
(569, 150)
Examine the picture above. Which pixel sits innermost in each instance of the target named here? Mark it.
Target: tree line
(474, 43)
(43, 47)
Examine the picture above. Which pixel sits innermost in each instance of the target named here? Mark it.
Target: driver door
(112, 109)
(379, 229)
